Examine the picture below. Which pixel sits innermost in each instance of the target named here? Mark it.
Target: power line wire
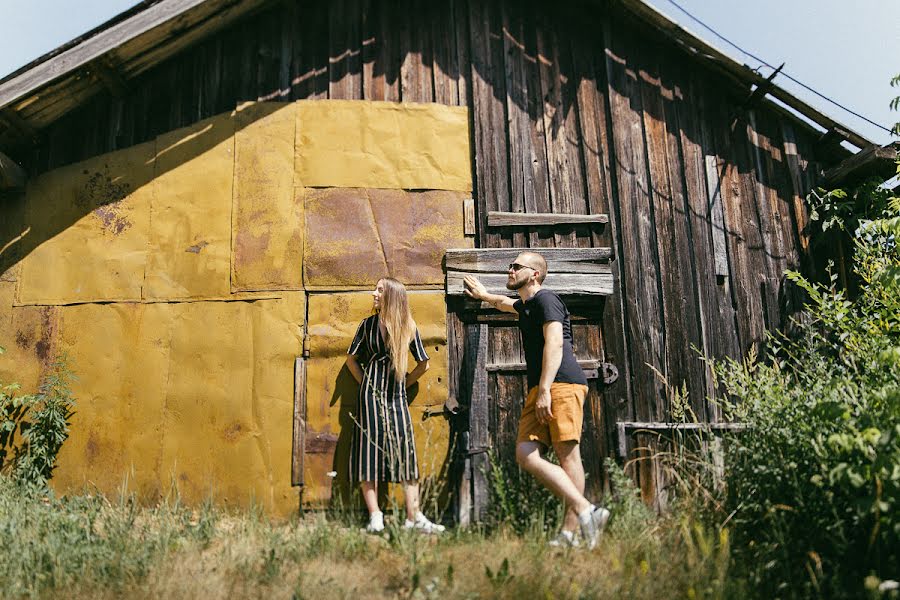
(762, 62)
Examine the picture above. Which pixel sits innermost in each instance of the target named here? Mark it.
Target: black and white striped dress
(383, 445)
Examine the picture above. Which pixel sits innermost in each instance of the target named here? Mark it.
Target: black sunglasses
(516, 267)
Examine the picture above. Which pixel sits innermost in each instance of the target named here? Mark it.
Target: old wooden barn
(197, 195)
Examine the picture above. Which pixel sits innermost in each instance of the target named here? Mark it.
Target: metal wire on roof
(783, 72)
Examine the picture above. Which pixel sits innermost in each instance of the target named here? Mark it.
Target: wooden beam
(12, 120)
(298, 446)
(85, 52)
(559, 260)
(871, 161)
(12, 176)
(565, 284)
(515, 219)
(761, 90)
(110, 76)
(632, 426)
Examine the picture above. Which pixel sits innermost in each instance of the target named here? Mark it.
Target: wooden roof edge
(99, 42)
(128, 13)
(705, 52)
(151, 14)
(874, 160)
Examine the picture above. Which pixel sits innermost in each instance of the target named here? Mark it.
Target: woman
(383, 446)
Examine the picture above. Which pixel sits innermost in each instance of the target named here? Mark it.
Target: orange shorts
(567, 406)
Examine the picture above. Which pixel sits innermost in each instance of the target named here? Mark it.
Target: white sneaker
(376, 523)
(423, 525)
(565, 539)
(592, 522)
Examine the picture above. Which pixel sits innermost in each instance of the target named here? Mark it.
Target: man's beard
(515, 284)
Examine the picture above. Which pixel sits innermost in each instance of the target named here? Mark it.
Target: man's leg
(553, 477)
(569, 454)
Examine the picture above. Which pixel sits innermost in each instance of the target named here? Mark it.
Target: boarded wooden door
(486, 356)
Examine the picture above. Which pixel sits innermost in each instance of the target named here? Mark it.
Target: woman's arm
(414, 375)
(354, 368)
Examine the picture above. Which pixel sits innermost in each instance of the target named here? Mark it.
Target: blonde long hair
(399, 326)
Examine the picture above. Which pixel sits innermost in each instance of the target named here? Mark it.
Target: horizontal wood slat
(517, 366)
(559, 260)
(565, 284)
(625, 427)
(515, 219)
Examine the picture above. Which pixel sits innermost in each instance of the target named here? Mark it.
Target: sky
(847, 51)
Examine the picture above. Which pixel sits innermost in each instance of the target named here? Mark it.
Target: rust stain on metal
(233, 432)
(403, 234)
(321, 442)
(111, 219)
(196, 248)
(91, 449)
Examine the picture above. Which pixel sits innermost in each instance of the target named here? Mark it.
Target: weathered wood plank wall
(576, 110)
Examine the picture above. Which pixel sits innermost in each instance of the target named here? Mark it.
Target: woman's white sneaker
(423, 525)
(376, 523)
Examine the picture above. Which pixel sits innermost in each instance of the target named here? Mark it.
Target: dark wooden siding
(574, 110)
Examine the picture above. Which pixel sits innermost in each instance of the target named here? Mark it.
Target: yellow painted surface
(350, 143)
(267, 216)
(89, 230)
(199, 394)
(332, 392)
(185, 374)
(26, 333)
(190, 223)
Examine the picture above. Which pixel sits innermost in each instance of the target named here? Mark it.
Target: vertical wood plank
(616, 403)
(640, 276)
(475, 360)
(520, 170)
(489, 119)
(799, 190)
(345, 52)
(719, 334)
(299, 430)
(445, 69)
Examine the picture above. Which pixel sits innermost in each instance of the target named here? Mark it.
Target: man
(554, 408)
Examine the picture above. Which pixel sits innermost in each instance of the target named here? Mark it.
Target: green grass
(88, 546)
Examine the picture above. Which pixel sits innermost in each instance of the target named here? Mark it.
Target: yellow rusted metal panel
(198, 394)
(89, 230)
(267, 216)
(28, 334)
(332, 392)
(354, 143)
(121, 355)
(190, 223)
(355, 236)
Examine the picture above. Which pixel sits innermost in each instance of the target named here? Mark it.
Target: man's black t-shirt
(546, 306)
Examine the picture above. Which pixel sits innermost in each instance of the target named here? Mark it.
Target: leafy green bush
(813, 487)
(33, 427)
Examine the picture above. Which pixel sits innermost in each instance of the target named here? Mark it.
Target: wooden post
(299, 437)
(12, 176)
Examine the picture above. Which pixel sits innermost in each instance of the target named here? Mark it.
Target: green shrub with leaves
(813, 487)
(33, 427)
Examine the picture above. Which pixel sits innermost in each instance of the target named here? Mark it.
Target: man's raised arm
(475, 289)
